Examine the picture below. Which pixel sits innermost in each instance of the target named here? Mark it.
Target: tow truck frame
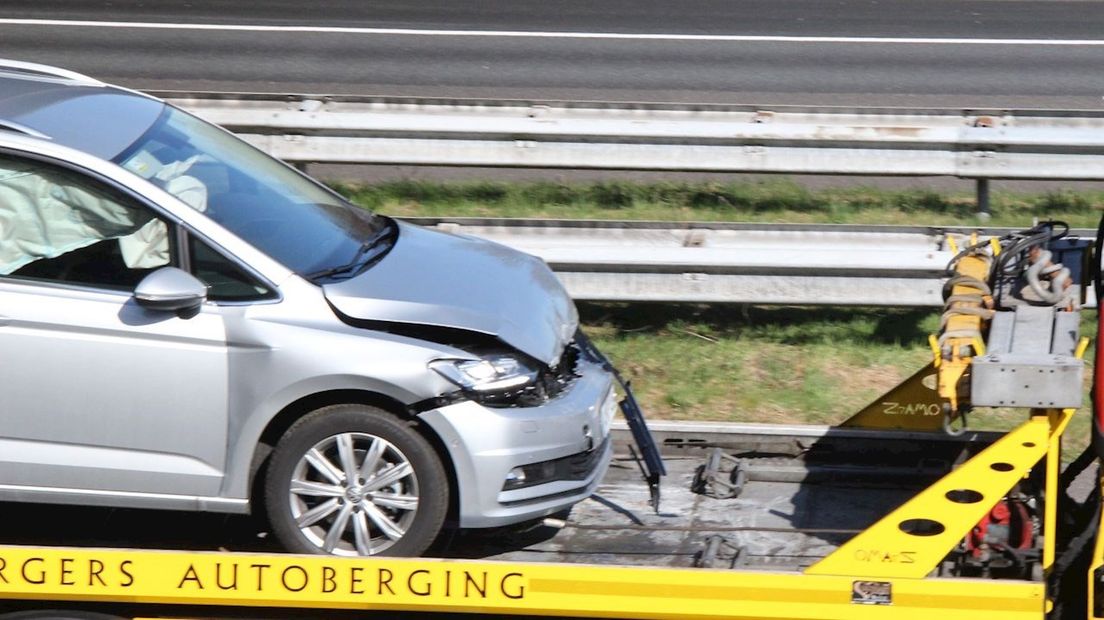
(882, 572)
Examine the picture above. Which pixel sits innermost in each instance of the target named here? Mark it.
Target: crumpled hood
(444, 280)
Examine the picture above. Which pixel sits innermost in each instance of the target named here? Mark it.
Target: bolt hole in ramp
(1002, 466)
(1029, 444)
(921, 527)
(964, 496)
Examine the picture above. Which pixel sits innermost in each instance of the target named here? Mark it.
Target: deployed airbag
(46, 212)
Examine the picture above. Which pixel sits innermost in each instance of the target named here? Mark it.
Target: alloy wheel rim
(353, 494)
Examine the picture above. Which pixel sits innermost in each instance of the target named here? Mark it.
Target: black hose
(1039, 234)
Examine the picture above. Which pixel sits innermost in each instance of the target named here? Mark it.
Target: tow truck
(902, 511)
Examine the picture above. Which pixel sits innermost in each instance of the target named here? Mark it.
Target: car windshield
(299, 223)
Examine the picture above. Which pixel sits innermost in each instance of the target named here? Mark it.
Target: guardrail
(963, 143)
(734, 263)
(657, 261)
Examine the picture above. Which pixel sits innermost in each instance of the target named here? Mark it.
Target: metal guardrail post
(983, 208)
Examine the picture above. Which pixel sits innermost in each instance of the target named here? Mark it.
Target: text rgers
(64, 571)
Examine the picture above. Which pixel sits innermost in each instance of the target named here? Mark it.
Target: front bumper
(486, 443)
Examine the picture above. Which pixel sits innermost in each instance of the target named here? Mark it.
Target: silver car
(189, 324)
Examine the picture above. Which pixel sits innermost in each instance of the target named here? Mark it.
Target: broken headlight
(493, 373)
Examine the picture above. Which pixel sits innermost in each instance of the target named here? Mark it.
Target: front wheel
(355, 480)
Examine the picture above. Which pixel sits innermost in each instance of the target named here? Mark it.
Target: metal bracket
(715, 480)
(718, 552)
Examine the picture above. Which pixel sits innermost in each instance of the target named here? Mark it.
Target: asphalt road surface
(918, 53)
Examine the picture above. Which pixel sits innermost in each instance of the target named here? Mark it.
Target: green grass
(757, 364)
(775, 200)
(778, 365)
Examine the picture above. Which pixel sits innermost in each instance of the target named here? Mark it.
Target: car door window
(58, 225)
(225, 279)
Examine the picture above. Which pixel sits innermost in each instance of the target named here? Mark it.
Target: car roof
(73, 110)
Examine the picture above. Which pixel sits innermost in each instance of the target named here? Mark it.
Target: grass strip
(769, 200)
(777, 365)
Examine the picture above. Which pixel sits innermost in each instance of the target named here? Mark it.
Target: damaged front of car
(527, 421)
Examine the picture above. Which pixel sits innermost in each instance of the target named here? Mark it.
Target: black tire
(374, 515)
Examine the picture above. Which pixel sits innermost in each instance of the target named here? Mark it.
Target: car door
(100, 397)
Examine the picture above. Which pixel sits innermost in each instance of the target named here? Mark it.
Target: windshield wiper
(357, 264)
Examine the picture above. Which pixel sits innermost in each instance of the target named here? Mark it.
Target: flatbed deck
(808, 491)
(780, 525)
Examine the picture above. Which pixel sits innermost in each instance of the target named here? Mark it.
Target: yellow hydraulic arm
(968, 306)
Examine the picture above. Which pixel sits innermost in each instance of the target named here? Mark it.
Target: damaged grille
(550, 383)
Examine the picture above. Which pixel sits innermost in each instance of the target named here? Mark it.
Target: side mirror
(170, 289)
